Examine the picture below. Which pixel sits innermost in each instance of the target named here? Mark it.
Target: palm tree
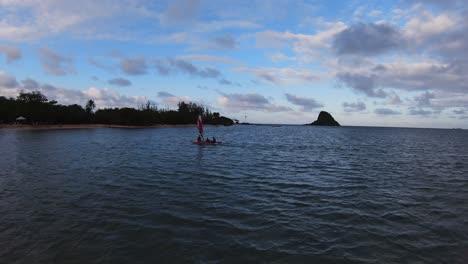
(90, 105)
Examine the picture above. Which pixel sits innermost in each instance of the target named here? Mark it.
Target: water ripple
(305, 195)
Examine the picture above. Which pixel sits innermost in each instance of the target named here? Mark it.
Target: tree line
(37, 109)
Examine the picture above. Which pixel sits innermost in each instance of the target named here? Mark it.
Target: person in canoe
(213, 140)
(199, 139)
(208, 140)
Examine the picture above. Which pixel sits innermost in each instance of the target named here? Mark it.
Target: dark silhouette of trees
(39, 110)
(90, 105)
(33, 97)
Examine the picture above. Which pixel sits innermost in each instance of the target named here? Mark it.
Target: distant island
(325, 119)
(33, 108)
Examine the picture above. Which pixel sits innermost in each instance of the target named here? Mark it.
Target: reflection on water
(200, 153)
(290, 194)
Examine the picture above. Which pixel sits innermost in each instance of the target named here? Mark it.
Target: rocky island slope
(325, 119)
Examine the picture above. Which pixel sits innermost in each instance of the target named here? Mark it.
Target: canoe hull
(205, 143)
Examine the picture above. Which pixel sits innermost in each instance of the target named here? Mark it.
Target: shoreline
(81, 126)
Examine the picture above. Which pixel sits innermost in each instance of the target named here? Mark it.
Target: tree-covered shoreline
(37, 109)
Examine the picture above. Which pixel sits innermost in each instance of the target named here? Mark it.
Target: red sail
(200, 125)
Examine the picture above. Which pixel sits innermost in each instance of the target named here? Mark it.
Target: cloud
(299, 41)
(120, 82)
(207, 58)
(307, 45)
(11, 53)
(30, 84)
(425, 26)
(383, 80)
(367, 39)
(441, 3)
(30, 20)
(419, 111)
(250, 101)
(7, 81)
(431, 58)
(226, 82)
(189, 68)
(180, 12)
(375, 13)
(171, 100)
(393, 99)
(429, 75)
(134, 66)
(165, 94)
(386, 111)
(217, 25)
(278, 57)
(108, 98)
(103, 97)
(424, 100)
(366, 84)
(354, 107)
(223, 42)
(307, 104)
(100, 65)
(171, 65)
(54, 63)
(283, 76)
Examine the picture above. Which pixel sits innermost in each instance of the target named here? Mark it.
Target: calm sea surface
(290, 194)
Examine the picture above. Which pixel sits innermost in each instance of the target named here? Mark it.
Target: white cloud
(226, 41)
(306, 104)
(354, 107)
(425, 25)
(307, 46)
(54, 63)
(103, 97)
(7, 81)
(250, 101)
(50, 17)
(12, 53)
(208, 58)
(367, 39)
(375, 13)
(283, 76)
(134, 66)
(169, 100)
(120, 82)
(386, 111)
(279, 56)
(180, 12)
(218, 25)
(405, 74)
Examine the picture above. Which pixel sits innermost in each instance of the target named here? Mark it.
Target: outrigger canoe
(200, 131)
(206, 143)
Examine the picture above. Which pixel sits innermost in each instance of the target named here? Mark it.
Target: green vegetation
(37, 109)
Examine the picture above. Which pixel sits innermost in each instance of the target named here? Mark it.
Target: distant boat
(200, 132)
(206, 143)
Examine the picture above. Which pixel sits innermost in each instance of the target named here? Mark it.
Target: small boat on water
(206, 143)
(199, 141)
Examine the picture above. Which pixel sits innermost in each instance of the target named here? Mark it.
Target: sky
(368, 63)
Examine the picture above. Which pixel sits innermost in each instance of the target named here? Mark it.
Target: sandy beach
(78, 126)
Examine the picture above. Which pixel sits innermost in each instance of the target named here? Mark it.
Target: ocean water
(289, 194)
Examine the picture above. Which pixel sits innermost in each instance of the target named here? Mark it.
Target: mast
(200, 125)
